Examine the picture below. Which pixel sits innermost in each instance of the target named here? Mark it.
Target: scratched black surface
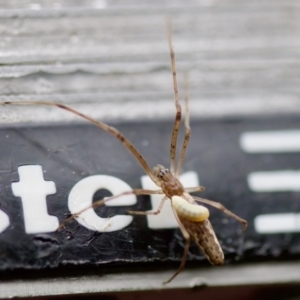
(70, 153)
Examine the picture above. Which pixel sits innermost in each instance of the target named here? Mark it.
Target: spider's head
(169, 183)
(160, 171)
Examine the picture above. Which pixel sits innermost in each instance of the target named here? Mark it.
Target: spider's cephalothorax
(169, 183)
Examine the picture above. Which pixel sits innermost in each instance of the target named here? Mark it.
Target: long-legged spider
(191, 217)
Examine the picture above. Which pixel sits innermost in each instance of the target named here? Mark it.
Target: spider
(191, 217)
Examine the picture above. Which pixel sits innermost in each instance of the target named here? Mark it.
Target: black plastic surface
(67, 154)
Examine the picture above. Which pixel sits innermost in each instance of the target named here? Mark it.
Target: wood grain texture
(111, 60)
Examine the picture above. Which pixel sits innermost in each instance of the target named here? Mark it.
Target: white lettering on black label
(33, 189)
(81, 197)
(4, 221)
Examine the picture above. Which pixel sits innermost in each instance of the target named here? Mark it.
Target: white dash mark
(277, 223)
(274, 181)
(271, 141)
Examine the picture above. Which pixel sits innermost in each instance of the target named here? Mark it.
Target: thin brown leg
(102, 125)
(103, 201)
(194, 189)
(187, 238)
(223, 209)
(187, 128)
(177, 104)
(145, 213)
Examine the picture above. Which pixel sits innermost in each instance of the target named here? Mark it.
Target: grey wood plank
(243, 58)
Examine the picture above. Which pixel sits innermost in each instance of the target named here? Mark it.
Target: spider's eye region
(160, 171)
(163, 172)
